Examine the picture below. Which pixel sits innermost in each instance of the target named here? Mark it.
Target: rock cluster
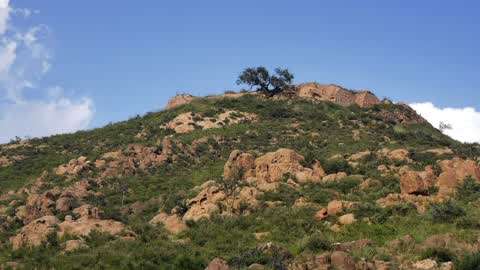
(189, 121)
(134, 158)
(35, 233)
(73, 167)
(267, 171)
(336, 94)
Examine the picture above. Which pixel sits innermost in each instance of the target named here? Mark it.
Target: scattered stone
(189, 121)
(74, 167)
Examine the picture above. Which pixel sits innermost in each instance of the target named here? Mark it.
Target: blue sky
(129, 57)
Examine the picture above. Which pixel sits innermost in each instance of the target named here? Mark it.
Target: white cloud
(465, 122)
(4, 15)
(42, 118)
(24, 60)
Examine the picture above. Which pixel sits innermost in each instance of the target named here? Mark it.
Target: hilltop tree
(268, 84)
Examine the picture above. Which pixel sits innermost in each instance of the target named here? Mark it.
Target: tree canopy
(260, 78)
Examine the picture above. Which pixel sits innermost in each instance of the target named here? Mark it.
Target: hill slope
(287, 182)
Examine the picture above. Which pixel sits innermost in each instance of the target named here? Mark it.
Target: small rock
(334, 207)
(217, 264)
(321, 214)
(347, 219)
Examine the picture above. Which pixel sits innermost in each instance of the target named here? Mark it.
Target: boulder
(217, 264)
(267, 171)
(427, 264)
(73, 245)
(172, 223)
(85, 225)
(342, 261)
(454, 173)
(36, 206)
(239, 165)
(347, 219)
(395, 154)
(74, 167)
(65, 204)
(179, 100)
(359, 156)
(87, 211)
(321, 214)
(204, 204)
(334, 177)
(413, 182)
(334, 207)
(336, 94)
(35, 233)
(272, 166)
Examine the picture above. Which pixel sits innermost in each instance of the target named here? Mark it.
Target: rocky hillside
(318, 177)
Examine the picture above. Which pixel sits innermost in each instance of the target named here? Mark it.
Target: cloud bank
(464, 122)
(24, 60)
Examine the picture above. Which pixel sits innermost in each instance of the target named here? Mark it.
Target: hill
(319, 177)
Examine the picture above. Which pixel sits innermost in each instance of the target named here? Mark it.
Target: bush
(469, 262)
(469, 190)
(316, 243)
(440, 255)
(337, 165)
(344, 185)
(446, 212)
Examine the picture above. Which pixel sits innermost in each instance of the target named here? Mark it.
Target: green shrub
(446, 212)
(344, 185)
(469, 191)
(469, 262)
(438, 254)
(316, 243)
(336, 165)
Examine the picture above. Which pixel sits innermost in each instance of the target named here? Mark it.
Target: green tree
(260, 78)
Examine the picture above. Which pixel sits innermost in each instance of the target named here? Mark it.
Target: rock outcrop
(454, 172)
(336, 94)
(74, 167)
(86, 224)
(179, 100)
(413, 182)
(189, 121)
(35, 233)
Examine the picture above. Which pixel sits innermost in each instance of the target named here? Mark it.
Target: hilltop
(315, 177)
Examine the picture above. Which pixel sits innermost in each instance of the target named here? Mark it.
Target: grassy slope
(324, 130)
